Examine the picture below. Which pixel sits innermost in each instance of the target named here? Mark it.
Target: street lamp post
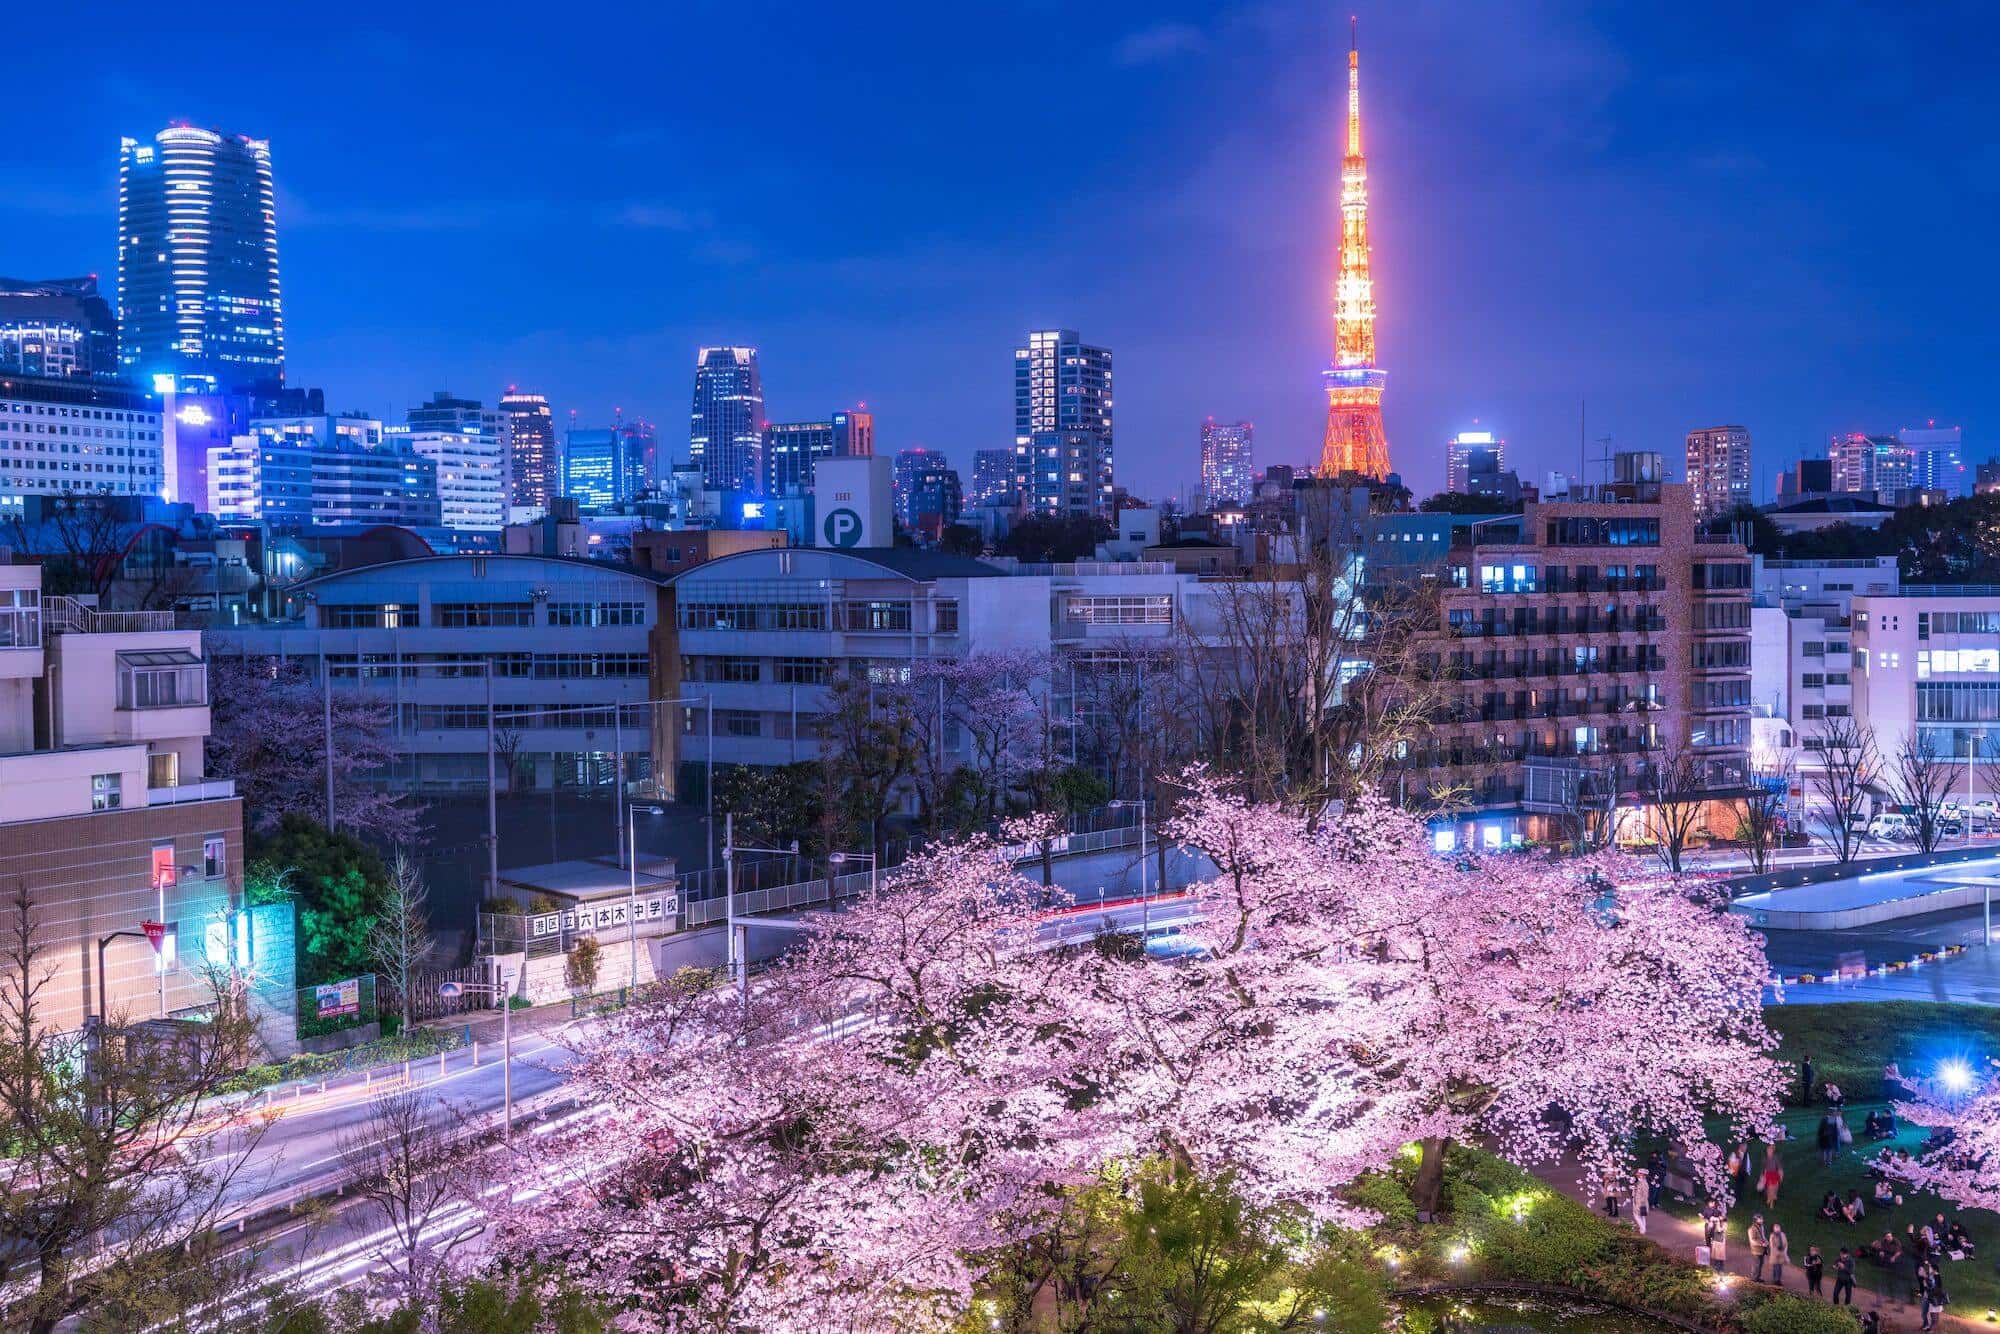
(739, 962)
(1145, 894)
(841, 858)
(632, 887)
(505, 993)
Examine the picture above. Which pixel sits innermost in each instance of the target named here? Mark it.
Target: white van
(1892, 825)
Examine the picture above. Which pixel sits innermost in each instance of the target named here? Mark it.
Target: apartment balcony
(214, 789)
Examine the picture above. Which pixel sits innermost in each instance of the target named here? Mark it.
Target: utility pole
(326, 712)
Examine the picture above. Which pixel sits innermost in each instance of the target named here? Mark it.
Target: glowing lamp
(1955, 1075)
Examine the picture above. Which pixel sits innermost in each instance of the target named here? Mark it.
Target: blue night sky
(1689, 214)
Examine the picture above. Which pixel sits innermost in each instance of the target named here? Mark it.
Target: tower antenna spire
(1355, 442)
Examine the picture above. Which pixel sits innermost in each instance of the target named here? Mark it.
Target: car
(1891, 826)
(1985, 808)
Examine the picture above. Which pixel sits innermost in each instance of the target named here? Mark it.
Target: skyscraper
(726, 429)
(792, 448)
(198, 260)
(531, 448)
(926, 483)
(1228, 474)
(448, 414)
(1871, 463)
(638, 455)
(471, 491)
(992, 475)
(1062, 394)
(1936, 460)
(1718, 470)
(1471, 452)
(1355, 441)
(59, 327)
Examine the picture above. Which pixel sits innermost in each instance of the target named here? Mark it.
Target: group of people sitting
(1849, 1210)
(1929, 1243)
(1880, 1125)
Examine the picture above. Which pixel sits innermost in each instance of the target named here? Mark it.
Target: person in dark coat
(1806, 1082)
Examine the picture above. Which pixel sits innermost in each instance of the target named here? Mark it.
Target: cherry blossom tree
(1513, 997)
(831, 1145)
(269, 735)
(1965, 1169)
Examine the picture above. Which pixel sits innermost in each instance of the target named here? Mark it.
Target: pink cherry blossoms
(922, 1077)
(1964, 1169)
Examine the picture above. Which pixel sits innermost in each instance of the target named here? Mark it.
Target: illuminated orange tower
(1355, 441)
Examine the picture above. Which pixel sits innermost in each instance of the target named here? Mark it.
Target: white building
(471, 476)
(108, 819)
(1801, 649)
(75, 435)
(1927, 660)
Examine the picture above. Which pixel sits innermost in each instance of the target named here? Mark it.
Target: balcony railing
(66, 614)
(214, 789)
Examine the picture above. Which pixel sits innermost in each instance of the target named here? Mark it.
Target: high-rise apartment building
(1228, 469)
(1870, 463)
(60, 328)
(1718, 470)
(593, 467)
(1471, 453)
(446, 413)
(992, 476)
(298, 472)
(638, 456)
(1937, 462)
(198, 260)
(926, 483)
(726, 428)
(792, 448)
(533, 460)
(1062, 394)
(73, 435)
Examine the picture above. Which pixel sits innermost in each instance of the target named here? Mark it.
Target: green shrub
(1384, 1194)
(1767, 1312)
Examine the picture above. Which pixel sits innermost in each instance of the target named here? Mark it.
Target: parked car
(1891, 826)
(1985, 809)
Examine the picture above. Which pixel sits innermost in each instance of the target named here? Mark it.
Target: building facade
(1471, 455)
(533, 458)
(74, 435)
(1801, 675)
(1937, 461)
(1718, 470)
(1228, 461)
(108, 820)
(298, 472)
(791, 449)
(726, 427)
(926, 483)
(992, 476)
(198, 260)
(1597, 638)
(470, 467)
(59, 327)
(1880, 464)
(1063, 424)
(1926, 662)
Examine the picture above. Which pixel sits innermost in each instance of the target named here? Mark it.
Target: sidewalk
(1679, 1237)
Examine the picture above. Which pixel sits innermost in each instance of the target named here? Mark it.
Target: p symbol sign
(842, 528)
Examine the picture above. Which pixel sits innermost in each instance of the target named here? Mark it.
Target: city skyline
(1582, 174)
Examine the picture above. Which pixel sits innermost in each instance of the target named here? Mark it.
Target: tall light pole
(1145, 895)
(739, 966)
(504, 992)
(632, 896)
(841, 858)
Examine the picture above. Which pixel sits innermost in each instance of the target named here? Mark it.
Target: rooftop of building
(1835, 505)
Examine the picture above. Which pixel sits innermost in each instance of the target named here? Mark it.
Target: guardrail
(61, 613)
(214, 789)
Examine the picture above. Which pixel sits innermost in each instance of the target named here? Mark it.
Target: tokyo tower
(1355, 442)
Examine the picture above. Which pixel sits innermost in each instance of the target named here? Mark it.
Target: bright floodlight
(1955, 1075)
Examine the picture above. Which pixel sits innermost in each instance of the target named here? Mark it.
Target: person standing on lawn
(1760, 1247)
(1806, 1081)
(1774, 1174)
(1843, 1278)
(1815, 1270)
(1781, 1253)
(1828, 1140)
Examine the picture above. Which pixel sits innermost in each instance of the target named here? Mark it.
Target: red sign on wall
(156, 932)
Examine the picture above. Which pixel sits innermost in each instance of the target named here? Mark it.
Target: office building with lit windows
(1228, 469)
(297, 472)
(59, 328)
(198, 261)
(992, 476)
(471, 487)
(791, 449)
(534, 459)
(926, 483)
(726, 426)
(77, 435)
(1937, 461)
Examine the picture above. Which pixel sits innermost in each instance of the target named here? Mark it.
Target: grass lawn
(1850, 1044)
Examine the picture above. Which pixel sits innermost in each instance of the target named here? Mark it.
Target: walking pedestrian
(1760, 1247)
(1934, 1301)
(1828, 1140)
(1781, 1253)
(1843, 1278)
(1715, 1235)
(1739, 1170)
(1774, 1173)
(1815, 1270)
(1656, 1175)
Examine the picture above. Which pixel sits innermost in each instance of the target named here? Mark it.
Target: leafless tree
(1590, 802)
(410, 1163)
(401, 940)
(1674, 787)
(1848, 764)
(1760, 818)
(107, 1191)
(1921, 778)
